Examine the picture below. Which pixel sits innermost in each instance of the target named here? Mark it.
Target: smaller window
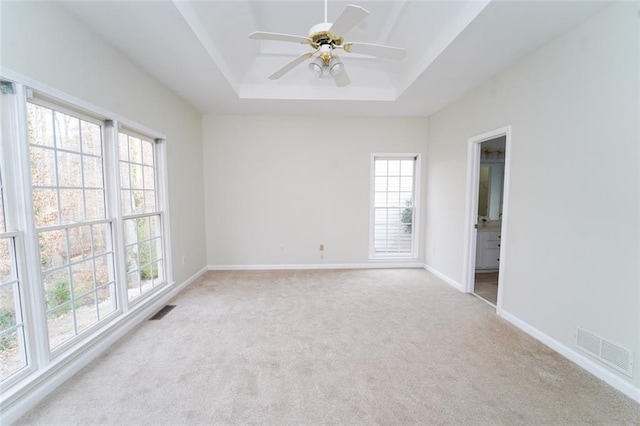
(143, 236)
(394, 205)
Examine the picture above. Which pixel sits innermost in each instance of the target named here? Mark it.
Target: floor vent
(611, 354)
(162, 312)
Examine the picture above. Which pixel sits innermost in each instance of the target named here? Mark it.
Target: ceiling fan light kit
(326, 65)
(325, 38)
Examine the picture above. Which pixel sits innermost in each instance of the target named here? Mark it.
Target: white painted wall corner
(581, 360)
(453, 283)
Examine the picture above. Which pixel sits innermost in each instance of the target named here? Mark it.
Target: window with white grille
(84, 233)
(394, 205)
(142, 218)
(74, 232)
(13, 354)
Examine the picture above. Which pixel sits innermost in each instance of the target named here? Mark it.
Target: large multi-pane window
(83, 232)
(74, 233)
(13, 355)
(394, 210)
(141, 216)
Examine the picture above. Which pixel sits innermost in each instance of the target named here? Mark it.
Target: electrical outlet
(184, 258)
(321, 247)
(281, 247)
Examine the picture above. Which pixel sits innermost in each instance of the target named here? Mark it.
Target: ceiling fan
(325, 38)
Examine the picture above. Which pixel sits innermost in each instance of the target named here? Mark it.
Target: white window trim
(162, 209)
(390, 257)
(79, 105)
(18, 219)
(42, 363)
(36, 272)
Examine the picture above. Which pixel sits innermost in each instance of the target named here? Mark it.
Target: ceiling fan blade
(291, 65)
(261, 35)
(342, 78)
(349, 18)
(377, 50)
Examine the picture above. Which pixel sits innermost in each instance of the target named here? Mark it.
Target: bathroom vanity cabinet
(488, 249)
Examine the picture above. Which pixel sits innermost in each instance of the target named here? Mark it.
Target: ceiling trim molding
(394, 16)
(305, 92)
(448, 35)
(193, 21)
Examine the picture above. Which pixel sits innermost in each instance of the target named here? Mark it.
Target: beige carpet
(392, 347)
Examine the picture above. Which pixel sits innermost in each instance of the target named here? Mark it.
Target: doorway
(487, 189)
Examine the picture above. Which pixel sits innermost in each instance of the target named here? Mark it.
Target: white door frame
(471, 212)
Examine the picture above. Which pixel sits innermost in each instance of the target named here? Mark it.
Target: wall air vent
(611, 354)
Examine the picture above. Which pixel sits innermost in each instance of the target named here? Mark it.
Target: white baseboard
(25, 395)
(445, 278)
(581, 360)
(19, 402)
(311, 266)
(586, 363)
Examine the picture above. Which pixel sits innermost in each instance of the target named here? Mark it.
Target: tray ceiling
(201, 51)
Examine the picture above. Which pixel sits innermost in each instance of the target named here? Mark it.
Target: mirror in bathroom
(490, 190)
(491, 178)
(483, 195)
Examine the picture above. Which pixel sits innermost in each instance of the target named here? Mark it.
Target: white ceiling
(200, 50)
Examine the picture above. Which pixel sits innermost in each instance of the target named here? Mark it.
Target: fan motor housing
(320, 35)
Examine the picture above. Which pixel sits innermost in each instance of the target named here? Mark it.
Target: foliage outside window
(393, 206)
(13, 356)
(74, 234)
(81, 230)
(142, 220)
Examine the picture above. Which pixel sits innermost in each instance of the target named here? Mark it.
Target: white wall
(572, 241)
(41, 40)
(297, 182)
